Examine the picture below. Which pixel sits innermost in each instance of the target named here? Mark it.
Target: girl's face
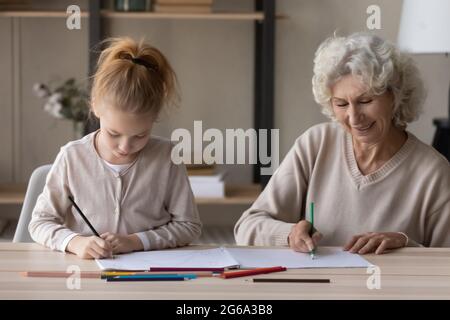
(122, 135)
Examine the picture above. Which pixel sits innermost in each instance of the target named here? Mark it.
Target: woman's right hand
(299, 239)
(90, 247)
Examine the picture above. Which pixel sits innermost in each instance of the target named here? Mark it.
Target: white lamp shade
(425, 26)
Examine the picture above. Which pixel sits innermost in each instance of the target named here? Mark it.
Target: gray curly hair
(380, 66)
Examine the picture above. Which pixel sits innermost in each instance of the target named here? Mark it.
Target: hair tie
(139, 61)
(144, 63)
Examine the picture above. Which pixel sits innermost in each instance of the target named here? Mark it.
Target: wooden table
(409, 273)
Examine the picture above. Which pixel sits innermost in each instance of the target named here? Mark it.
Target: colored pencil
(285, 280)
(311, 231)
(243, 273)
(104, 275)
(118, 279)
(120, 273)
(187, 269)
(60, 274)
(83, 216)
(155, 277)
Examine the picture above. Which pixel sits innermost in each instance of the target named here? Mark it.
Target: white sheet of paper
(206, 258)
(325, 258)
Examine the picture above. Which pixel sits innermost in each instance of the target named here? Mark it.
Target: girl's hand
(89, 247)
(123, 244)
(376, 242)
(299, 239)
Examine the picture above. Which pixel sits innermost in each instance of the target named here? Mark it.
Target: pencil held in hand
(83, 216)
(312, 252)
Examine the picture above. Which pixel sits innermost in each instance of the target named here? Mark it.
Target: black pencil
(83, 216)
(291, 280)
(119, 279)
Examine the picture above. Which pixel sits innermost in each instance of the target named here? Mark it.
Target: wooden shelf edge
(12, 194)
(38, 14)
(235, 195)
(243, 16)
(146, 15)
(200, 16)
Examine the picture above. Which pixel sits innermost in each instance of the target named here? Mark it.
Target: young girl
(120, 176)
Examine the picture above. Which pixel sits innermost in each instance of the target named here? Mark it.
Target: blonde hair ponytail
(134, 77)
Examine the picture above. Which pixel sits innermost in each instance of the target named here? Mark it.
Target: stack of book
(183, 6)
(206, 182)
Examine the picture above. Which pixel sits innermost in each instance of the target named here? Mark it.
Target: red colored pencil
(186, 269)
(243, 273)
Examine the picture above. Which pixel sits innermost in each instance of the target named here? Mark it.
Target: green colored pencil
(311, 210)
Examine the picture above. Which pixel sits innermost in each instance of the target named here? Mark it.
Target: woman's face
(123, 134)
(368, 118)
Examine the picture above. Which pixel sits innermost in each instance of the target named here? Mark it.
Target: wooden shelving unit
(264, 19)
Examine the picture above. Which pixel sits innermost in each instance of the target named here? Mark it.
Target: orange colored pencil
(60, 274)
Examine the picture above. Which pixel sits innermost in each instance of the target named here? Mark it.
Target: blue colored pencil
(153, 277)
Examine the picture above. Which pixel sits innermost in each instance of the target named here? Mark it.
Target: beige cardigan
(410, 193)
(152, 198)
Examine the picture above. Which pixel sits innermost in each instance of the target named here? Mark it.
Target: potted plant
(67, 101)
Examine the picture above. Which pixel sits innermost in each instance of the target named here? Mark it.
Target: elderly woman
(375, 186)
